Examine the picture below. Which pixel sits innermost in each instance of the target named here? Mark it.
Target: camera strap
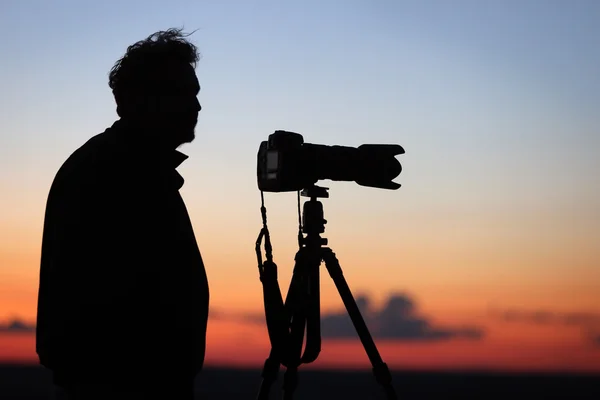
(275, 314)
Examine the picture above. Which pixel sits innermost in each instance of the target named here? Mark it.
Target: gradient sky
(496, 103)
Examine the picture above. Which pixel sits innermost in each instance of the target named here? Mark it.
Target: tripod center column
(313, 223)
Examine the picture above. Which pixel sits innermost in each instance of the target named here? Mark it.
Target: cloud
(397, 320)
(17, 325)
(588, 322)
(546, 317)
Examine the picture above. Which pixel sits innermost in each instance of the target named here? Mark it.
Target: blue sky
(496, 104)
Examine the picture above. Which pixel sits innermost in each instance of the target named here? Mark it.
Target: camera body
(286, 164)
(279, 164)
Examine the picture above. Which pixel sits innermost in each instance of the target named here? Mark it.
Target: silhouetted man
(123, 296)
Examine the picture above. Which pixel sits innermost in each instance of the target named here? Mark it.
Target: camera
(286, 164)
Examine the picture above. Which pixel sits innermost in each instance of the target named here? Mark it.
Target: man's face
(173, 104)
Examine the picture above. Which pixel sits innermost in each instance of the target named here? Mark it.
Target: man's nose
(198, 106)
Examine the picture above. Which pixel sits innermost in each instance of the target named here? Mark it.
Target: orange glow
(516, 349)
(18, 348)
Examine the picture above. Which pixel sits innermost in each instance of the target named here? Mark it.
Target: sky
(487, 257)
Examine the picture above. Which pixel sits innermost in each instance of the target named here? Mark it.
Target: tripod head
(313, 221)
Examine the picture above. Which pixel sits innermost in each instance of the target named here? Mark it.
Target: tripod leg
(269, 375)
(290, 382)
(299, 310)
(380, 369)
(313, 314)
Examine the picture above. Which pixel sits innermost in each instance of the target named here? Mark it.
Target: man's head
(155, 86)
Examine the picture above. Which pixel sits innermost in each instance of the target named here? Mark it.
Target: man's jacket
(123, 289)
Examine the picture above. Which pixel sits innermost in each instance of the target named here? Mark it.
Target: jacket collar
(131, 136)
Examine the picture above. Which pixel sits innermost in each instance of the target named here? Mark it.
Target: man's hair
(145, 57)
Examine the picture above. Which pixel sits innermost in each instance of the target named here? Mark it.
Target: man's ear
(125, 105)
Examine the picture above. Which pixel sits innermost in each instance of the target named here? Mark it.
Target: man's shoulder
(98, 157)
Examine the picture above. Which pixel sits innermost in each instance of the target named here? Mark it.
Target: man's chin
(186, 138)
(190, 137)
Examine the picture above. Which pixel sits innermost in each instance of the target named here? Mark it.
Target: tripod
(287, 322)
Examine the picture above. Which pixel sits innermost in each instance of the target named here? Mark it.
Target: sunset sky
(493, 241)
